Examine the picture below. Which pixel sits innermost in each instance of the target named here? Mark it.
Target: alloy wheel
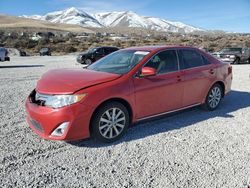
(112, 123)
(214, 97)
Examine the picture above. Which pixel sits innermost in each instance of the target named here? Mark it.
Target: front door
(162, 92)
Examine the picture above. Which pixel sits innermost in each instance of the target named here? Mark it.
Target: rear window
(109, 50)
(191, 59)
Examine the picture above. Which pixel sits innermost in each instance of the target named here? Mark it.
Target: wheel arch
(222, 84)
(116, 99)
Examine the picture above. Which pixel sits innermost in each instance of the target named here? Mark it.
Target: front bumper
(44, 120)
(80, 59)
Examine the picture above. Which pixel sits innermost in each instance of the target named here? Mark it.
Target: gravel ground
(194, 148)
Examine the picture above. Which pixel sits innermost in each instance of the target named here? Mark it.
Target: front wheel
(110, 122)
(88, 62)
(213, 97)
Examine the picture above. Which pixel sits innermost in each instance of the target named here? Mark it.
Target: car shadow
(234, 101)
(20, 66)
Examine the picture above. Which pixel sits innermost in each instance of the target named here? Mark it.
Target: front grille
(36, 125)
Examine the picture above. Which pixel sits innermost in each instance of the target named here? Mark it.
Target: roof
(106, 47)
(156, 48)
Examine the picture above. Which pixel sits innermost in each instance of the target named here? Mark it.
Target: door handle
(211, 71)
(178, 78)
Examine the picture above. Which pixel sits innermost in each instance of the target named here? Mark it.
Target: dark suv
(94, 54)
(234, 55)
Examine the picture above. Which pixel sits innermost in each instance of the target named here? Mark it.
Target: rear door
(162, 92)
(198, 74)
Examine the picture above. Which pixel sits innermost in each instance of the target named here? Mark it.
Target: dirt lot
(194, 148)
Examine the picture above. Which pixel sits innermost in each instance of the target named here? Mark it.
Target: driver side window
(164, 62)
(99, 51)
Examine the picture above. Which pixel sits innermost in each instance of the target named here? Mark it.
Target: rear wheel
(213, 97)
(110, 122)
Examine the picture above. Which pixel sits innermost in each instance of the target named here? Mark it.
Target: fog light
(59, 131)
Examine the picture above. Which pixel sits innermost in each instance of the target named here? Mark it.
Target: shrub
(70, 49)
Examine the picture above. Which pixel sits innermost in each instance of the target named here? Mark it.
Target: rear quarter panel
(224, 74)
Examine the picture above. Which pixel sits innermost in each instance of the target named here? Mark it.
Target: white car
(4, 54)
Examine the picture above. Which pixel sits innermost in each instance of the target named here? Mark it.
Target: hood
(230, 53)
(67, 81)
(83, 53)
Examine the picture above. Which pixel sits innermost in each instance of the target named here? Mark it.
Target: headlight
(232, 56)
(58, 101)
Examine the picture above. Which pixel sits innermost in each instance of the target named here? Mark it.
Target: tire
(237, 60)
(88, 62)
(213, 97)
(106, 127)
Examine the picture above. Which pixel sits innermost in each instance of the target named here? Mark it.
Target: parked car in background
(234, 55)
(125, 87)
(4, 54)
(22, 53)
(45, 51)
(94, 54)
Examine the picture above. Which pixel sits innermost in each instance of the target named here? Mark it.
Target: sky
(227, 15)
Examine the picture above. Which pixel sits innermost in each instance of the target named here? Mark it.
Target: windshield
(92, 50)
(231, 50)
(119, 62)
(44, 49)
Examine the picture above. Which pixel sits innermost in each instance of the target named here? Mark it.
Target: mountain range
(114, 19)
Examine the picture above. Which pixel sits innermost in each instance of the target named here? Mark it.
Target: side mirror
(148, 71)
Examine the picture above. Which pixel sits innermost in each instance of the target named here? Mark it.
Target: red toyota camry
(122, 88)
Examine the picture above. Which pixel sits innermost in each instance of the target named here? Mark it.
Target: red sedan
(122, 88)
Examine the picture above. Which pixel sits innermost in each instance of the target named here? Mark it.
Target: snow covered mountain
(131, 19)
(69, 16)
(114, 19)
